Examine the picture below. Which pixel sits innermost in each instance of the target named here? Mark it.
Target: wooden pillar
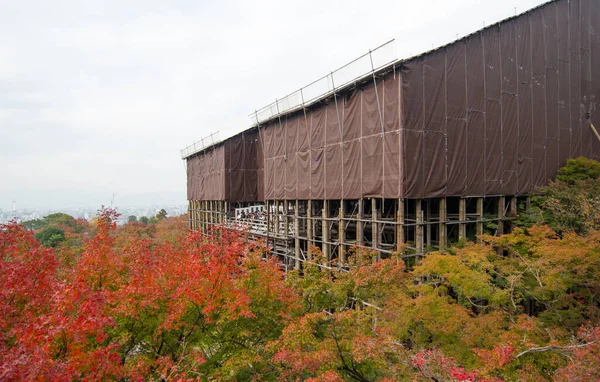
(286, 220)
(479, 224)
(374, 224)
(400, 224)
(360, 232)
(527, 203)
(342, 233)
(309, 225)
(442, 231)
(428, 221)
(500, 215)
(326, 237)
(297, 236)
(268, 216)
(513, 206)
(276, 228)
(462, 217)
(419, 227)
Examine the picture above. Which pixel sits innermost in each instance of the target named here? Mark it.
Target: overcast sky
(98, 97)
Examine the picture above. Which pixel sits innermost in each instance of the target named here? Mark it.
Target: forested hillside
(156, 302)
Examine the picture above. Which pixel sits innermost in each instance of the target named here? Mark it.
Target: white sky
(98, 97)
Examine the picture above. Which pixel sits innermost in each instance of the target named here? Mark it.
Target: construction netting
(496, 113)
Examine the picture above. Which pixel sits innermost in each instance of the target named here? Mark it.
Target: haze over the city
(97, 98)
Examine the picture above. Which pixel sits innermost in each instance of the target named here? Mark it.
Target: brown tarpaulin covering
(497, 112)
(500, 111)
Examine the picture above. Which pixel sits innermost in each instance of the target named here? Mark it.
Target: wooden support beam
(360, 229)
(527, 203)
(513, 207)
(462, 216)
(286, 221)
(428, 220)
(326, 237)
(374, 225)
(309, 226)
(400, 237)
(501, 202)
(342, 233)
(479, 224)
(442, 228)
(419, 244)
(296, 236)
(276, 228)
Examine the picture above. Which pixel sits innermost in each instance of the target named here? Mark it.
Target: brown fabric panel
(552, 127)
(524, 104)
(524, 153)
(391, 166)
(391, 115)
(251, 186)
(586, 91)
(303, 132)
(434, 168)
(412, 95)
(510, 138)
(333, 172)
(333, 131)
(370, 112)
(317, 128)
(538, 70)
(563, 30)
(372, 166)
(576, 131)
(317, 174)
(457, 86)
(475, 153)
(475, 116)
(279, 178)
(456, 124)
(435, 92)
(564, 112)
(352, 170)
(352, 115)
(269, 180)
(236, 190)
(278, 144)
(475, 73)
(291, 180)
(291, 129)
(413, 162)
(550, 35)
(303, 160)
(457, 157)
(491, 42)
(493, 148)
(508, 44)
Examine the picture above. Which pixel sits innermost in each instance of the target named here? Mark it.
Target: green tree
(132, 219)
(144, 220)
(160, 215)
(51, 236)
(579, 169)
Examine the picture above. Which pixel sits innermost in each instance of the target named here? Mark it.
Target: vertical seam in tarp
(465, 184)
(532, 103)
(446, 121)
(545, 34)
(501, 114)
(518, 189)
(421, 192)
(484, 115)
(401, 150)
(382, 118)
(360, 139)
(325, 157)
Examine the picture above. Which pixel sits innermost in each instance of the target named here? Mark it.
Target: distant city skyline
(98, 98)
